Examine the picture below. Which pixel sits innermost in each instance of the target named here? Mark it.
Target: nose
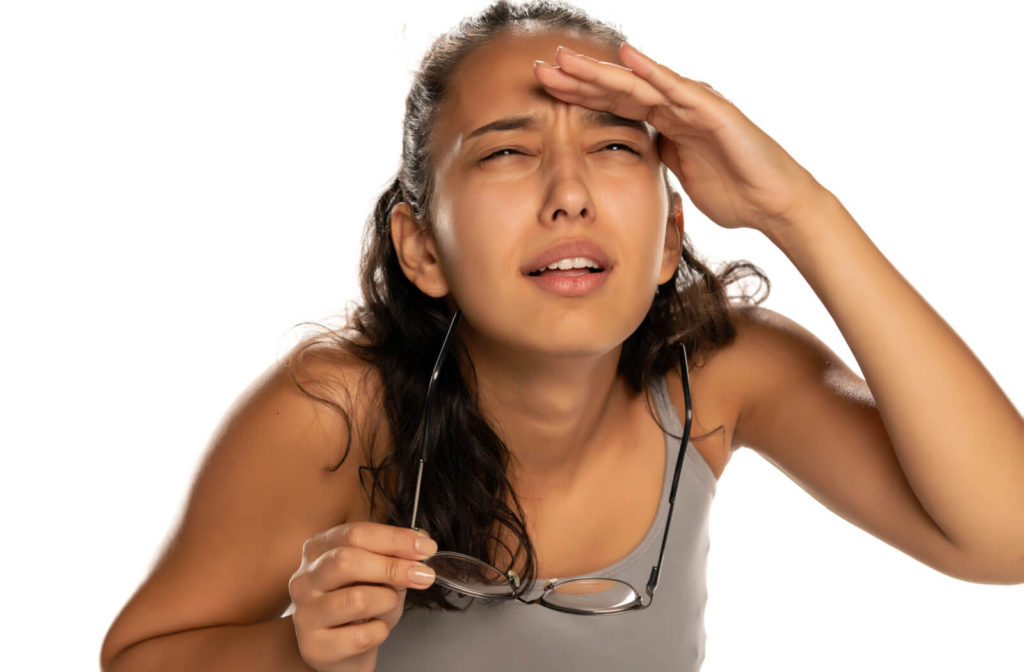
(567, 199)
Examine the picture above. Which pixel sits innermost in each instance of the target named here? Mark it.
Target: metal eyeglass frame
(510, 576)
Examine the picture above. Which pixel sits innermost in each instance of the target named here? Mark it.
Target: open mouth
(569, 267)
(570, 272)
(571, 277)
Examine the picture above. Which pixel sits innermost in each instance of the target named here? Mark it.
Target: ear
(673, 240)
(417, 252)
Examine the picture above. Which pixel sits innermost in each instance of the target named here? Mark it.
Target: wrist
(818, 210)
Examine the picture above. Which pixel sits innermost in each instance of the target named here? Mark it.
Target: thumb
(392, 617)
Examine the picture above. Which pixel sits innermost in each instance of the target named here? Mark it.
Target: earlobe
(673, 241)
(417, 252)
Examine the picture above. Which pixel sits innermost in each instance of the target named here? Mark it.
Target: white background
(180, 183)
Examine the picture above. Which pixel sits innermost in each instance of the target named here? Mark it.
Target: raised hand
(732, 170)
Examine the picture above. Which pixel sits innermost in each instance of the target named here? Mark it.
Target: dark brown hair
(469, 504)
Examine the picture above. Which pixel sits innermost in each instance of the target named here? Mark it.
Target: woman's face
(524, 179)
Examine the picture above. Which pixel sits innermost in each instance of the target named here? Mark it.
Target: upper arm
(261, 491)
(807, 413)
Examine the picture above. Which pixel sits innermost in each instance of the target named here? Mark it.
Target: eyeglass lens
(476, 578)
(468, 575)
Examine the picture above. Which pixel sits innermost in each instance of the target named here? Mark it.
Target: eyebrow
(598, 118)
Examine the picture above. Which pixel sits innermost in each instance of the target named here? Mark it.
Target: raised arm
(929, 452)
(930, 422)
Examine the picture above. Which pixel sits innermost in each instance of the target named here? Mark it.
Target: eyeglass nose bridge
(550, 584)
(514, 580)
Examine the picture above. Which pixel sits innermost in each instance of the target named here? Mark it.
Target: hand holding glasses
(590, 595)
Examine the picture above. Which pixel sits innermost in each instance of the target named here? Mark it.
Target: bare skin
(266, 525)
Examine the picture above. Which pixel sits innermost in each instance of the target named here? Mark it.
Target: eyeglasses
(590, 595)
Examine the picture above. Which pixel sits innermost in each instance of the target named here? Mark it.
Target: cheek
(642, 210)
(479, 236)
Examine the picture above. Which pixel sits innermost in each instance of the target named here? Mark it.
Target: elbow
(111, 653)
(108, 655)
(994, 578)
(998, 571)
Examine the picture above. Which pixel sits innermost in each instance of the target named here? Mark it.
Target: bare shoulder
(776, 358)
(764, 335)
(270, 479)
(308, 411)
(729, 378)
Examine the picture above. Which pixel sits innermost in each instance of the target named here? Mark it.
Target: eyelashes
(501, 153)
(508, 151)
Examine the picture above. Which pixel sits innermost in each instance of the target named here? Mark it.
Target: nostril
(554, 217)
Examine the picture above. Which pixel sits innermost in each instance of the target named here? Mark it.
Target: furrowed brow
(598, 118)
(520, 123)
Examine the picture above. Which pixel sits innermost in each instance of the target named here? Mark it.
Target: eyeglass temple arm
(652, 582)
(425, 420)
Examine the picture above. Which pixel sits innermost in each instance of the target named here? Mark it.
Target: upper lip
(568, 250)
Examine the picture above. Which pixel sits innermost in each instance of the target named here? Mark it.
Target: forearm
(269, 646)
(957, 436)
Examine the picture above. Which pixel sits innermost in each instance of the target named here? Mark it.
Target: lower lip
(566, 285)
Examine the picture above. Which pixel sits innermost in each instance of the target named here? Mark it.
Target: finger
(617, 81)
(580, 92)
(351, 604)
(376, 537)
(577, 92)
(346, 565)
(679, 90)
(392, 617)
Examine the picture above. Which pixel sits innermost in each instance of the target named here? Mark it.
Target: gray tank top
(500, 635)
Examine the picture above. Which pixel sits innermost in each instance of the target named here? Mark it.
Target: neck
(556, 414)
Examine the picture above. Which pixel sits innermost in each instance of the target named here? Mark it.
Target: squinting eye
(625, 147)
(501, 152)
(508, 151)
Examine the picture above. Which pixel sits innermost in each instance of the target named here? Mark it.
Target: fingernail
(566, 50)
(626, 46)
(421, 575)
(542, 64)
(426, 546)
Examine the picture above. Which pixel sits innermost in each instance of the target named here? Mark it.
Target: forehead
(496, 80)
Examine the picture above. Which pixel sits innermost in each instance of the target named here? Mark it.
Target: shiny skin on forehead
(497, 80)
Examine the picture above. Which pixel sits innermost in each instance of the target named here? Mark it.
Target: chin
(572, 329)
(574, 336)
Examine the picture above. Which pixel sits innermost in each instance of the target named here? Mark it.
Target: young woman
(545, 380)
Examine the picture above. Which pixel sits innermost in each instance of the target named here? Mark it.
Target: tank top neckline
(693, 461)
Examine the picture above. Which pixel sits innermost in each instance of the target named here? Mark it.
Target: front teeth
(574, 262)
